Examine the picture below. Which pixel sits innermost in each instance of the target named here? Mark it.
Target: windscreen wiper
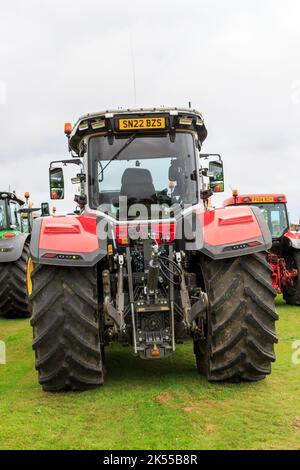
(128, 142)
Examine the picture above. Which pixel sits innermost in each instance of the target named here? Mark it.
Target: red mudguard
(220, 233)
(66, 240)
(234, 231)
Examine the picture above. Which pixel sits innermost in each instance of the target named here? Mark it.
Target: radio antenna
(133, 67)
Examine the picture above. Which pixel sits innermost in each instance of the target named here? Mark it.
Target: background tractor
(146, 263)
(284, 255)
(16, 218)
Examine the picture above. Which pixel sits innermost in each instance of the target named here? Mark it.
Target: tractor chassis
(146, 313)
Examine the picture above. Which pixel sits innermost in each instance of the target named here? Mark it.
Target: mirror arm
(207, 155)
(206, 194)
(75, 161)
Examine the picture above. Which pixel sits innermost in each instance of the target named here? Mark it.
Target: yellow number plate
(142, 123)
(263, 199)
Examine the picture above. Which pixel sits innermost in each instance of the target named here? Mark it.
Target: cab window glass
(15, 215)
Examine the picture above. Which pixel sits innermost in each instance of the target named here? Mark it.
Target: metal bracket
(184, 294)
(199, 307)
(120, 292)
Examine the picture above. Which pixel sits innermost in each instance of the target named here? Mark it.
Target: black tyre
(15, 286)
(241, 320)
(291, 293)
(65, 321)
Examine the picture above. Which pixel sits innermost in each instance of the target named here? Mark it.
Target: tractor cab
(17, 215)
(10, 214)
(140, 163)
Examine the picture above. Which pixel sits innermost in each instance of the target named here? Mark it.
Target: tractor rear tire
(240, 334)
(291, 294)
(66, 331)
(14, 293)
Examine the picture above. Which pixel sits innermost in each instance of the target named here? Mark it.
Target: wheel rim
(29, 271)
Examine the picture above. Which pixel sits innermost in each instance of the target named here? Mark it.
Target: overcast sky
(238, 62)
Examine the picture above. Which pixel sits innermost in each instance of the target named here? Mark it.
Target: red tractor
(146, 262)
(284, 255)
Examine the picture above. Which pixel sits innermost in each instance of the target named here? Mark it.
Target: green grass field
(151, 405)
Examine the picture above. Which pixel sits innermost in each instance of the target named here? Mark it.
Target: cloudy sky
(237, 61)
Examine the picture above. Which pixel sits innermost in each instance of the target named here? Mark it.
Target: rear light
(49, 255)
(9, 235)
(155, 352)
(62, 256)
(253, 244)
(161, 233)
(242, 246)
(122, 235)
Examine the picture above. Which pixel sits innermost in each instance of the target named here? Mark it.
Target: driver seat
(137, 183)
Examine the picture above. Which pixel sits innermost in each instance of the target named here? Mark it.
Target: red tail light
(161, 233)
(49, 255)
(9, 235)
(122, 234)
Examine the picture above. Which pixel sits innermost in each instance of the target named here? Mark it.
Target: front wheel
(66, 328)
(240, 334)
(15, 286)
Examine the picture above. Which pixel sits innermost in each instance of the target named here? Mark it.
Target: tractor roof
(11, 196)
(255, 199)
(107, 121)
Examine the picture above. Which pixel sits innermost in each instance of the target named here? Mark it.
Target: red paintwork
(240, 199)
(9, 235)
(230, 225)
(294, 235)
(69, 234)
(78, 234)
(281, 275)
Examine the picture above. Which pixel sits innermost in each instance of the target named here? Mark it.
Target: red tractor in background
(284, 255)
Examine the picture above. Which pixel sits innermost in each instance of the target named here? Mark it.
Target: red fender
(68, 239)
(221, 233)
(234, 231)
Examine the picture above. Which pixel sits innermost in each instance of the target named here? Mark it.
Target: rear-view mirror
(57, 185)
(216, 175)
